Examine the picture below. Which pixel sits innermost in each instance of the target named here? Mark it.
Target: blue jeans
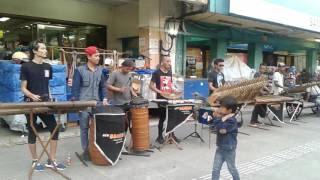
(224, 155)
(84, 128)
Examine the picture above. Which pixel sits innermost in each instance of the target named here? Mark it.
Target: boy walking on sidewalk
(227, 128)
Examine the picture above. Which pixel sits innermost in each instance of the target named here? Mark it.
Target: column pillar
(152, 16)
(180, 59)
(255, 55)
(218, 49)
(311, 62)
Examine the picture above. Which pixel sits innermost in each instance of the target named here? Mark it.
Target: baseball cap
(91, 50)
(281, 64)
(20, 56)
(128, 63)
(108, 61)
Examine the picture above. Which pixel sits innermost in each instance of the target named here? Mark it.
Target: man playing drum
(119, 83)
(88, 84)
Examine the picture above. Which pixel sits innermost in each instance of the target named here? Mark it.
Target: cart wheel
(291, 108)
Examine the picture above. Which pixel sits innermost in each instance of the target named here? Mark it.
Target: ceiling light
(4, 19)
(45, 26)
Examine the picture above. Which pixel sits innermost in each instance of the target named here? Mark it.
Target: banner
(110, 135)
(177, 114)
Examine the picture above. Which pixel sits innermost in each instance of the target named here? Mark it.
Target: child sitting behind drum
(227, 128)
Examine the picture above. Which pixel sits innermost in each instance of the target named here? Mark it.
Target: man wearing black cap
(119, 83)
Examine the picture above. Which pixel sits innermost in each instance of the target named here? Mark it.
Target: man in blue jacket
(88, 84)
(227, 128)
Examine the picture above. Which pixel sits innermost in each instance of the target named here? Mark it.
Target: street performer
(88, 84)
(216, 76)
(119, 83)
(35, 76)
(260, 109)
(161, 82)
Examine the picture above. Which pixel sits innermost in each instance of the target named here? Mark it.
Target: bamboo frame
(244, 91)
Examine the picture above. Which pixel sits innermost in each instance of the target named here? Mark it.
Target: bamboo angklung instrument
(302, 87)
(244, 91)
(44, 107)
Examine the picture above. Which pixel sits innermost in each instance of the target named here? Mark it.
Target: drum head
(107, 109)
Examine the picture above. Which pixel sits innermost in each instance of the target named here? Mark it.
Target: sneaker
(38, 167)
(160, 140)
(259, 123)
(59, 166)
(253, 125)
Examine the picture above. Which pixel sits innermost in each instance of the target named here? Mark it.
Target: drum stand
(269, 111)
(170, 140)
(195, 133)
(132, 152)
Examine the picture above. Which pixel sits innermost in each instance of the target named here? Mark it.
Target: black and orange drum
(107, 135)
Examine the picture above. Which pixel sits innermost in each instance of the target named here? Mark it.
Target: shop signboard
(295, 13)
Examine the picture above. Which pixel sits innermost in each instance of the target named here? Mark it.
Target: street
(280, 153)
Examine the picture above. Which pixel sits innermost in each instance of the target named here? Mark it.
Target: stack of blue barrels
(10, 82)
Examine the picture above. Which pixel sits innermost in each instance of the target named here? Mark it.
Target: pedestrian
(35, 76)
(227, 129)
(88, 84)
(278, 78)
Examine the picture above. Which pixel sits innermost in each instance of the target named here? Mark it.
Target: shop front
(18, 31)
(249, 31)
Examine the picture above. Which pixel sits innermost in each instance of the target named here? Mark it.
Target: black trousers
(126, 110)
(162, 117)
(48, 119)
(258, 110)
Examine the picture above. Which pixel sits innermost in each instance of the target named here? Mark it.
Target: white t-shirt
(314, 90)
(277, 77)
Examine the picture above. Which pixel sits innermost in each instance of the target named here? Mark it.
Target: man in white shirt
(313, 93)
(277, 81)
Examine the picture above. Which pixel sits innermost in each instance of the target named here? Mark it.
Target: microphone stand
(195, 133)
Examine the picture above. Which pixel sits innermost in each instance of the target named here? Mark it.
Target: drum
(140, 124)
(204, 114)
(107, 135)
